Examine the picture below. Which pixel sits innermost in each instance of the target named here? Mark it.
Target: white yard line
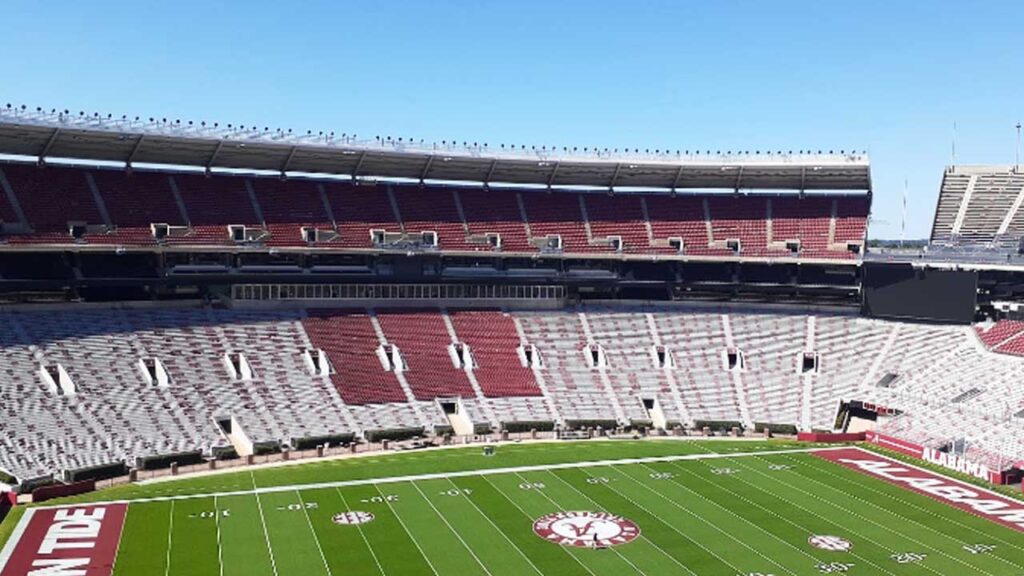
(359, 527)
(907, 504)
(775, 514)
(117, 549)
(947, 535)
(220, 549)
(674, 529)
(530, 517)
(642, 536)
(696, 515)
(266, 534)
(458, 474)
(316, 539)
(866, 518)
(451, 528)
(12, 542)
(499, 530)
(828, 521)
(560, 507)
(170, 532)
(720, 507)
(407, 532)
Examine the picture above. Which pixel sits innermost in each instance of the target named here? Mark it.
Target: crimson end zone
(79, 540)
(967, 497)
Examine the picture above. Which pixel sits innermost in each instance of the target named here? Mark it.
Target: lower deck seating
(493, 341)
(423, 341)
(717, 363)
(349, 339)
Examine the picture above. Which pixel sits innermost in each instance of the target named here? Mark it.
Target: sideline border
(456, 474)
(12, 542)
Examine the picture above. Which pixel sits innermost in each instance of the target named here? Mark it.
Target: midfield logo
(586, 529)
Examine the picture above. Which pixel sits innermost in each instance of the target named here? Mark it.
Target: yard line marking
(316, 539)
(822, 467)
(117, 550)
(946, 535)
(359, 527)
(450, 527)
(720, 507)
(458, 474)
(865, 518)
(404, 527)
(660, 549)
(530, 518)
(220, 550)
(826, 520)
(695, 515)
(170, 531)
(560, 507)
(773, 513)
(500, 531)
(266, 535)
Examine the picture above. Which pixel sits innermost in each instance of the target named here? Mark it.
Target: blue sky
(889, 76)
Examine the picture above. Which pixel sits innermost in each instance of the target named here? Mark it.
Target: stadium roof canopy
(133, 141)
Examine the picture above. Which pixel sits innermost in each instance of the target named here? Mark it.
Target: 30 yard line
(451, 528)
(359, 527)
(316, 539)
(406, 528)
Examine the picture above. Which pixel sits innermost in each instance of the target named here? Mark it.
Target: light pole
(1016, 161)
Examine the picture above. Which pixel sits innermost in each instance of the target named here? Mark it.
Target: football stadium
(237, 350)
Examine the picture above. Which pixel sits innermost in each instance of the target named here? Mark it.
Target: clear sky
(887, 76)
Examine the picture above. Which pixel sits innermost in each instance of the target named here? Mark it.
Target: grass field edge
(453, 474)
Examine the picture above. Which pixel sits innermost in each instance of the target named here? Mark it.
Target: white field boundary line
(19, 531)
(256, 467)
(457, 474)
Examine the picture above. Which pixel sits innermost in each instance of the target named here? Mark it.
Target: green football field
(756, 509)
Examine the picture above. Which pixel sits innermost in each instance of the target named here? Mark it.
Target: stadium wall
(829, 437)
(7, 501)
(60, 490)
